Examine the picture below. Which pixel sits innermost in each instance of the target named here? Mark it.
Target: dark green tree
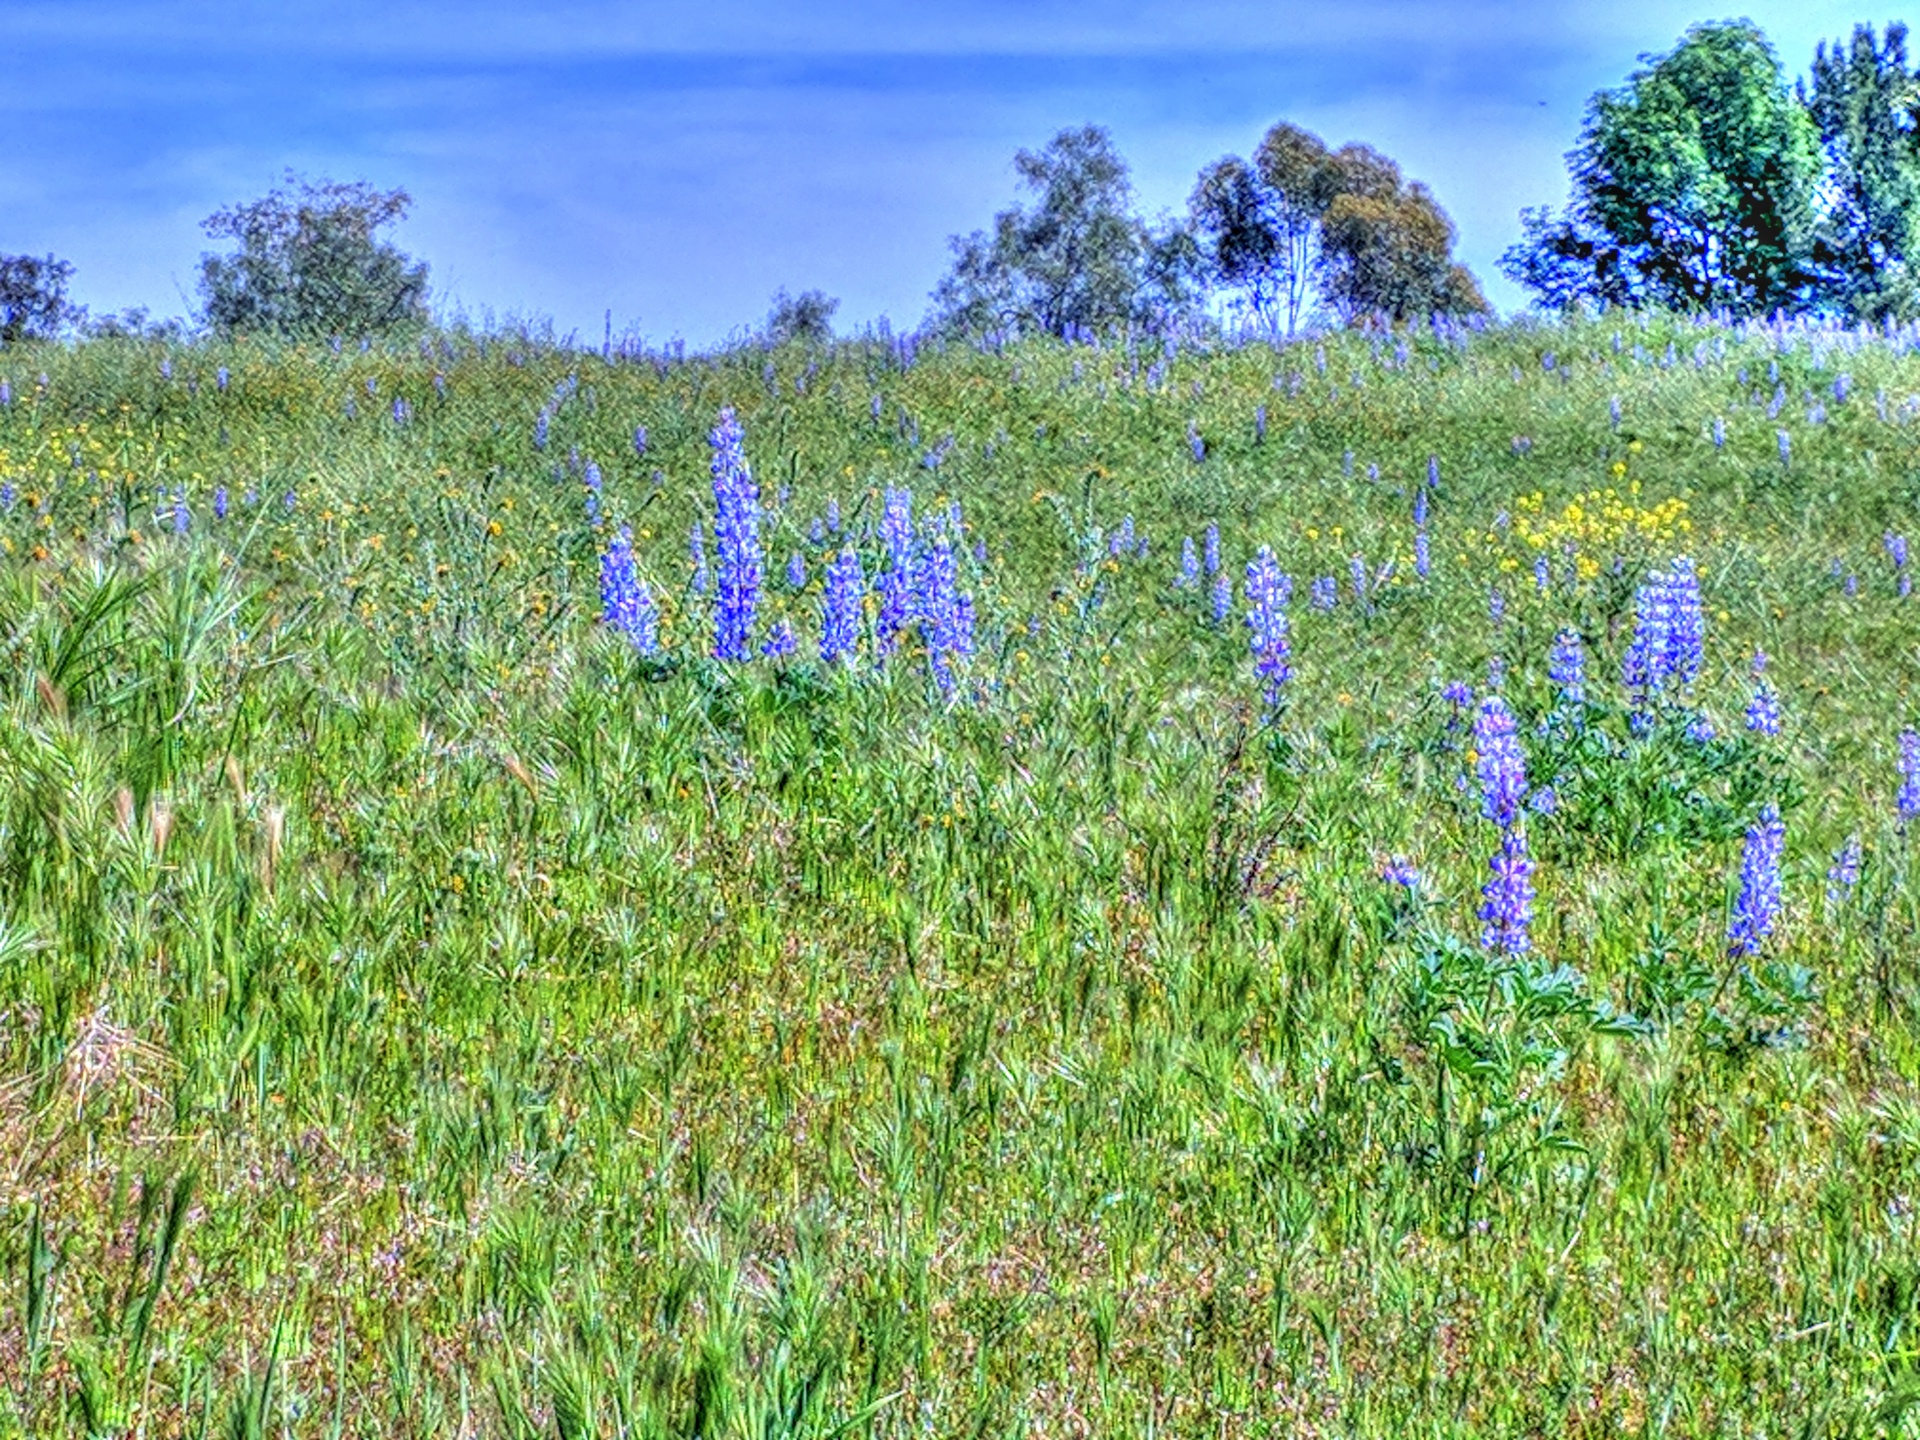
(806, 317)
(33, 297)
(1863, 101)
(1693, 187)
(1076, 257)
(311, 264)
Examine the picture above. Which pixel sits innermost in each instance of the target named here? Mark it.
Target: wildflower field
(1355, 889)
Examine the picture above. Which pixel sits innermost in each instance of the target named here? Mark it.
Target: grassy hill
(424, 1013)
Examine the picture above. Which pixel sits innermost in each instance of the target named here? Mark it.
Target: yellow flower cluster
(1597, 525)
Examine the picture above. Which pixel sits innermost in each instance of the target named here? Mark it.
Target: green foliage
(33, 297)
(1863, 101)
(806, 317)
(1693, 187)
(1302, 220)
(311, 266)
(1078, 257)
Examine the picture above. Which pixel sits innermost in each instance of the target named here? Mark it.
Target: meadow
(439, 997)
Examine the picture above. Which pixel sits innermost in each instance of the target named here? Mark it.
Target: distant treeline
(1709, 181)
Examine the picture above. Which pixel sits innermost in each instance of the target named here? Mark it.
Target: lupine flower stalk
(736, 541)
(1757, 905)
(840, 607)
(1267, 592)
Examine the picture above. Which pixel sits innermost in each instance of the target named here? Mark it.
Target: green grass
(421, 1015)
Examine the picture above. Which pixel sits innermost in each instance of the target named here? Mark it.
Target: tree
(806, 317)
(1693, 187)
(1387, 246)
(1302, 218)
(33, 297)
(310, 266)
(1261, 220)
(1863, 104)
(1076, 258)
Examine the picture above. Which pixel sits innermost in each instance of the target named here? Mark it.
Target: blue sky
(677, 162)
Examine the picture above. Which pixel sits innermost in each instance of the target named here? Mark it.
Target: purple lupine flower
(1324, 592)
(220, 378)
(1542, 574)
(817, 532)
(1667, 633)
(440, 385)
(1567, 668)
(625, 604)
(1613, 411)
(736, 540)
(1843, 876)
(1719, 433)
(1500, 763)
(1496, 607)
(1507, 897)
(1433, 472)
(1786, 448)
(1259, 424)
(182, 518)
(1357, 570)
(875, 406)
(373, 387)
(796, 572)
(1213, 549)
(779, 642)
(594, 486)
(946, 616)
(6, 394)
(1907, 802)
(1122, 542)
(540, 425)
(1422, 554)
(1189, 575)
(840, 607)
(896, 580)
(1420, 508)
(1196, 442)
(1842, 387)
(1267, 591)
(1346, 464)
(1222, 597)
(220, 503)
(1763, 710)
(639, 440)
(1457, 693)
(833, 516)
(1496, 672)
(1757, 905)
(1400, 871)
(289, 500)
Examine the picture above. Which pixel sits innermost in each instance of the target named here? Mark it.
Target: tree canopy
(1706, 182)
(1076, 257)
(33, 297)
(310, 264)
(1301, 221)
